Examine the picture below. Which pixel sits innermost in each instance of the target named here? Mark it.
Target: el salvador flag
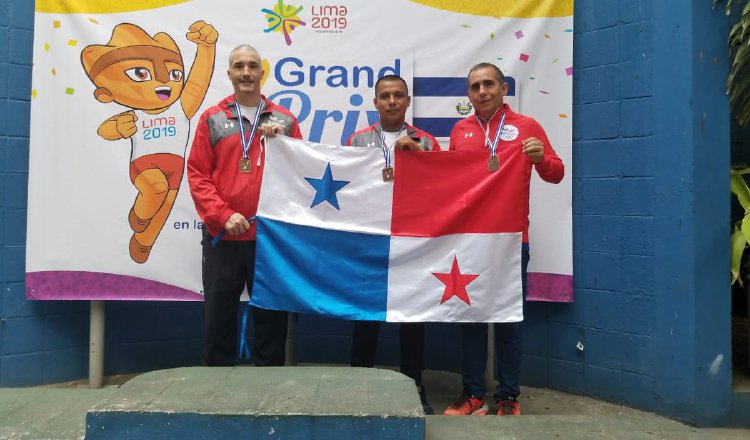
(440, 102)
(441, 242)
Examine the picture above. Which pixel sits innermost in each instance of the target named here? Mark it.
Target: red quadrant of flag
(463, 195)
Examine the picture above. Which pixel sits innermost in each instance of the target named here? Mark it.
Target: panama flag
(440, 242)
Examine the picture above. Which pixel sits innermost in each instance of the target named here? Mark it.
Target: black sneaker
(426, 407)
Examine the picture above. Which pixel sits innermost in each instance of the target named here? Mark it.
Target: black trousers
(227, 269)
(411, 340)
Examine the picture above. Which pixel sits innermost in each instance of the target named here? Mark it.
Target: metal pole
(291, 341)
(96, 344)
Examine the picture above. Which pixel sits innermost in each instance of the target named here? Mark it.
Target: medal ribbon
(490, 143)
(249, 141)
(386, 149)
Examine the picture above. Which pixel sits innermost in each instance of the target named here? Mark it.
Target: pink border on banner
(78, 285)
(550, 287)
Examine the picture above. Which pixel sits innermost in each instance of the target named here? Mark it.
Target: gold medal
(493, 164)
(245, 165)
(388, 174)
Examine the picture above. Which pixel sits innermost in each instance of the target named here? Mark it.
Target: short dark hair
(498, 73)
(391, 78)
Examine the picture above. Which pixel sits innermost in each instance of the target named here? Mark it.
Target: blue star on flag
(326, 188)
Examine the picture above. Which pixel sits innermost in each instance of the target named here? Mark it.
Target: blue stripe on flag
(449, 86)
(310, 270)
(435, 86)
(438, 127)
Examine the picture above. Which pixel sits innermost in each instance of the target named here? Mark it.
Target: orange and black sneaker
(467, 406)
(508, 407)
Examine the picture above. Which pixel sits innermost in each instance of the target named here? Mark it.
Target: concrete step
(59, 411)
(578, 427)
(274, 402)
(38, 413)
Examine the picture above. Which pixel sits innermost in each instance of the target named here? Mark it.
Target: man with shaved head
(225, 169)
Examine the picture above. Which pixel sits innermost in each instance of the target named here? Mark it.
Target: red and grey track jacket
(218, 187)
(369, 137)
(468, 134)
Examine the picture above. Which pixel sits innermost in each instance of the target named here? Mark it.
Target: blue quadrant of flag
(328, 272)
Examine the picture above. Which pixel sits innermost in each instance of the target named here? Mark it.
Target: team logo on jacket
(273, 119)
(509, 133)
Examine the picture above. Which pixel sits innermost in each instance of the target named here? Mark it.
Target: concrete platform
(59, 411)
(277, 402)
(47, 413)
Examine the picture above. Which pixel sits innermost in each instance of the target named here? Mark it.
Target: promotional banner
(118, 87)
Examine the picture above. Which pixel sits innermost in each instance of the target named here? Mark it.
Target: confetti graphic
(519, 34)
(523, 57)
(517, 9)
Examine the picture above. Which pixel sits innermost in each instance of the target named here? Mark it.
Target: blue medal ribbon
(246, 143)
(492, 144)
(244, 345)
(215, 241)
(386, 149)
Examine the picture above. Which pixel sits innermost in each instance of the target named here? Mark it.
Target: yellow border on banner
(101, 6)
(505, 8)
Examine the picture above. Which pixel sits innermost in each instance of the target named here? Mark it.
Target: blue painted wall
(693, 332)
(650, 205)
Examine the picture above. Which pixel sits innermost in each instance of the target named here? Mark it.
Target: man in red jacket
(225, 168)
(519, 142)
